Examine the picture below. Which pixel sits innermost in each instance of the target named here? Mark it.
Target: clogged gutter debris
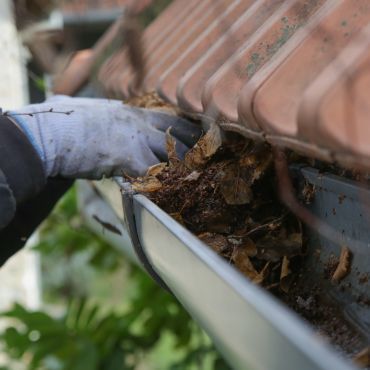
(225, 193)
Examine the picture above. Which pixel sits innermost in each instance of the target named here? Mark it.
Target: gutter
(250, 328)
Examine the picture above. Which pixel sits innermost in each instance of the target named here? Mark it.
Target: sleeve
(20, 165)
(26, 197)
(29, 214)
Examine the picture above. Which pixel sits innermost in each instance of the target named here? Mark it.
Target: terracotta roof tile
(169, 80)
(192, 84)
(277, 102)
(222, 90)
(292, 72)
(187, 34)
(156, 34)
(335, 108)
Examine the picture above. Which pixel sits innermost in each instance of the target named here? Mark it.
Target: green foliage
(64, 234)
(90, 334)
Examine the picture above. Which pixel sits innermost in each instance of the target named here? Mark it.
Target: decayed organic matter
(225, 194)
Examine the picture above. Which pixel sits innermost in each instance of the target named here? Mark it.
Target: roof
(291, 72)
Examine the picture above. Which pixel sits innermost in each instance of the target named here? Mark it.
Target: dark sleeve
(29, 215)
(25, 197)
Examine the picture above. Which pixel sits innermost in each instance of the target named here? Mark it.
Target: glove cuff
(19, 161)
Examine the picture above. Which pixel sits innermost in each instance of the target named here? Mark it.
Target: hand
(92, 138)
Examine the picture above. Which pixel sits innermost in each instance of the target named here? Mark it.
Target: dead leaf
(362, 359)
(194, 176)
(177, 216)
(146, 185)
(255, 164)
(204, 149)
(243, 263)
(250, 247)
(156, 169)
(343, 267)
(234, 189)
(308, 193)
(260, 278)
(285, 275)
(171, 147)
(272, 248)
(217, 242)
(152, 101)
(236, 192)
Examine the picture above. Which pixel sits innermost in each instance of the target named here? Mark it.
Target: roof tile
(292, 72)
(335, 108)
(187, 34)
(168, 82)
(189, 93)
(156, 44)
(277, 101)
(221, 92)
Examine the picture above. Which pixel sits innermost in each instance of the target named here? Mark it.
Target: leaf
(362, 358)
(256, 163)
(250, 247)
(146, 185)
(194, 176)
(344, 265)
(171, 147)
(243, 263)
(235, 190)
(260, 278)
(285, 275)
(156, 169)
(177, 216)
(217, 242)
(204, 149)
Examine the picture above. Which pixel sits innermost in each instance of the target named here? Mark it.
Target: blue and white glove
(92, 138)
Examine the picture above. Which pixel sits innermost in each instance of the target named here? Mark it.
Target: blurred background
(69, 300)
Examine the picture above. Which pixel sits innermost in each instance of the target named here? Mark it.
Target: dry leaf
(250, 247)
(146, 185)
(217, 242)
(256, 163)
(362, 359)
(177, 216)
(260, 278)
(273, 248)
(156, 169)
(171, 147)
(233, 188)
(152, 101)
(308, 193)
(285, 275)
(236, 192)
(244, 264)
(194, 176)
(343, 267)
(204, 149)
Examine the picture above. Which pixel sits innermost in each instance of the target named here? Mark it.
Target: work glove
(93, 138)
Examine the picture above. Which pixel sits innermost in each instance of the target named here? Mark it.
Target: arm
(21, 170)
(69, 138)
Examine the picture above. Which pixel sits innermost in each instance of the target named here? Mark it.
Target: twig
(51, 110)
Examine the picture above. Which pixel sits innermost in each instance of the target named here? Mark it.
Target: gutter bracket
(129, 221)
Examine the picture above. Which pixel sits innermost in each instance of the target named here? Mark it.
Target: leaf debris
(224, 193)
(344, 265)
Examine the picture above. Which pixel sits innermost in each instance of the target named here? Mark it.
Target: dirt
(225, 193)
(312, 303)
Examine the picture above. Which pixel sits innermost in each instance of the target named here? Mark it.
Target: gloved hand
(92, 138)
